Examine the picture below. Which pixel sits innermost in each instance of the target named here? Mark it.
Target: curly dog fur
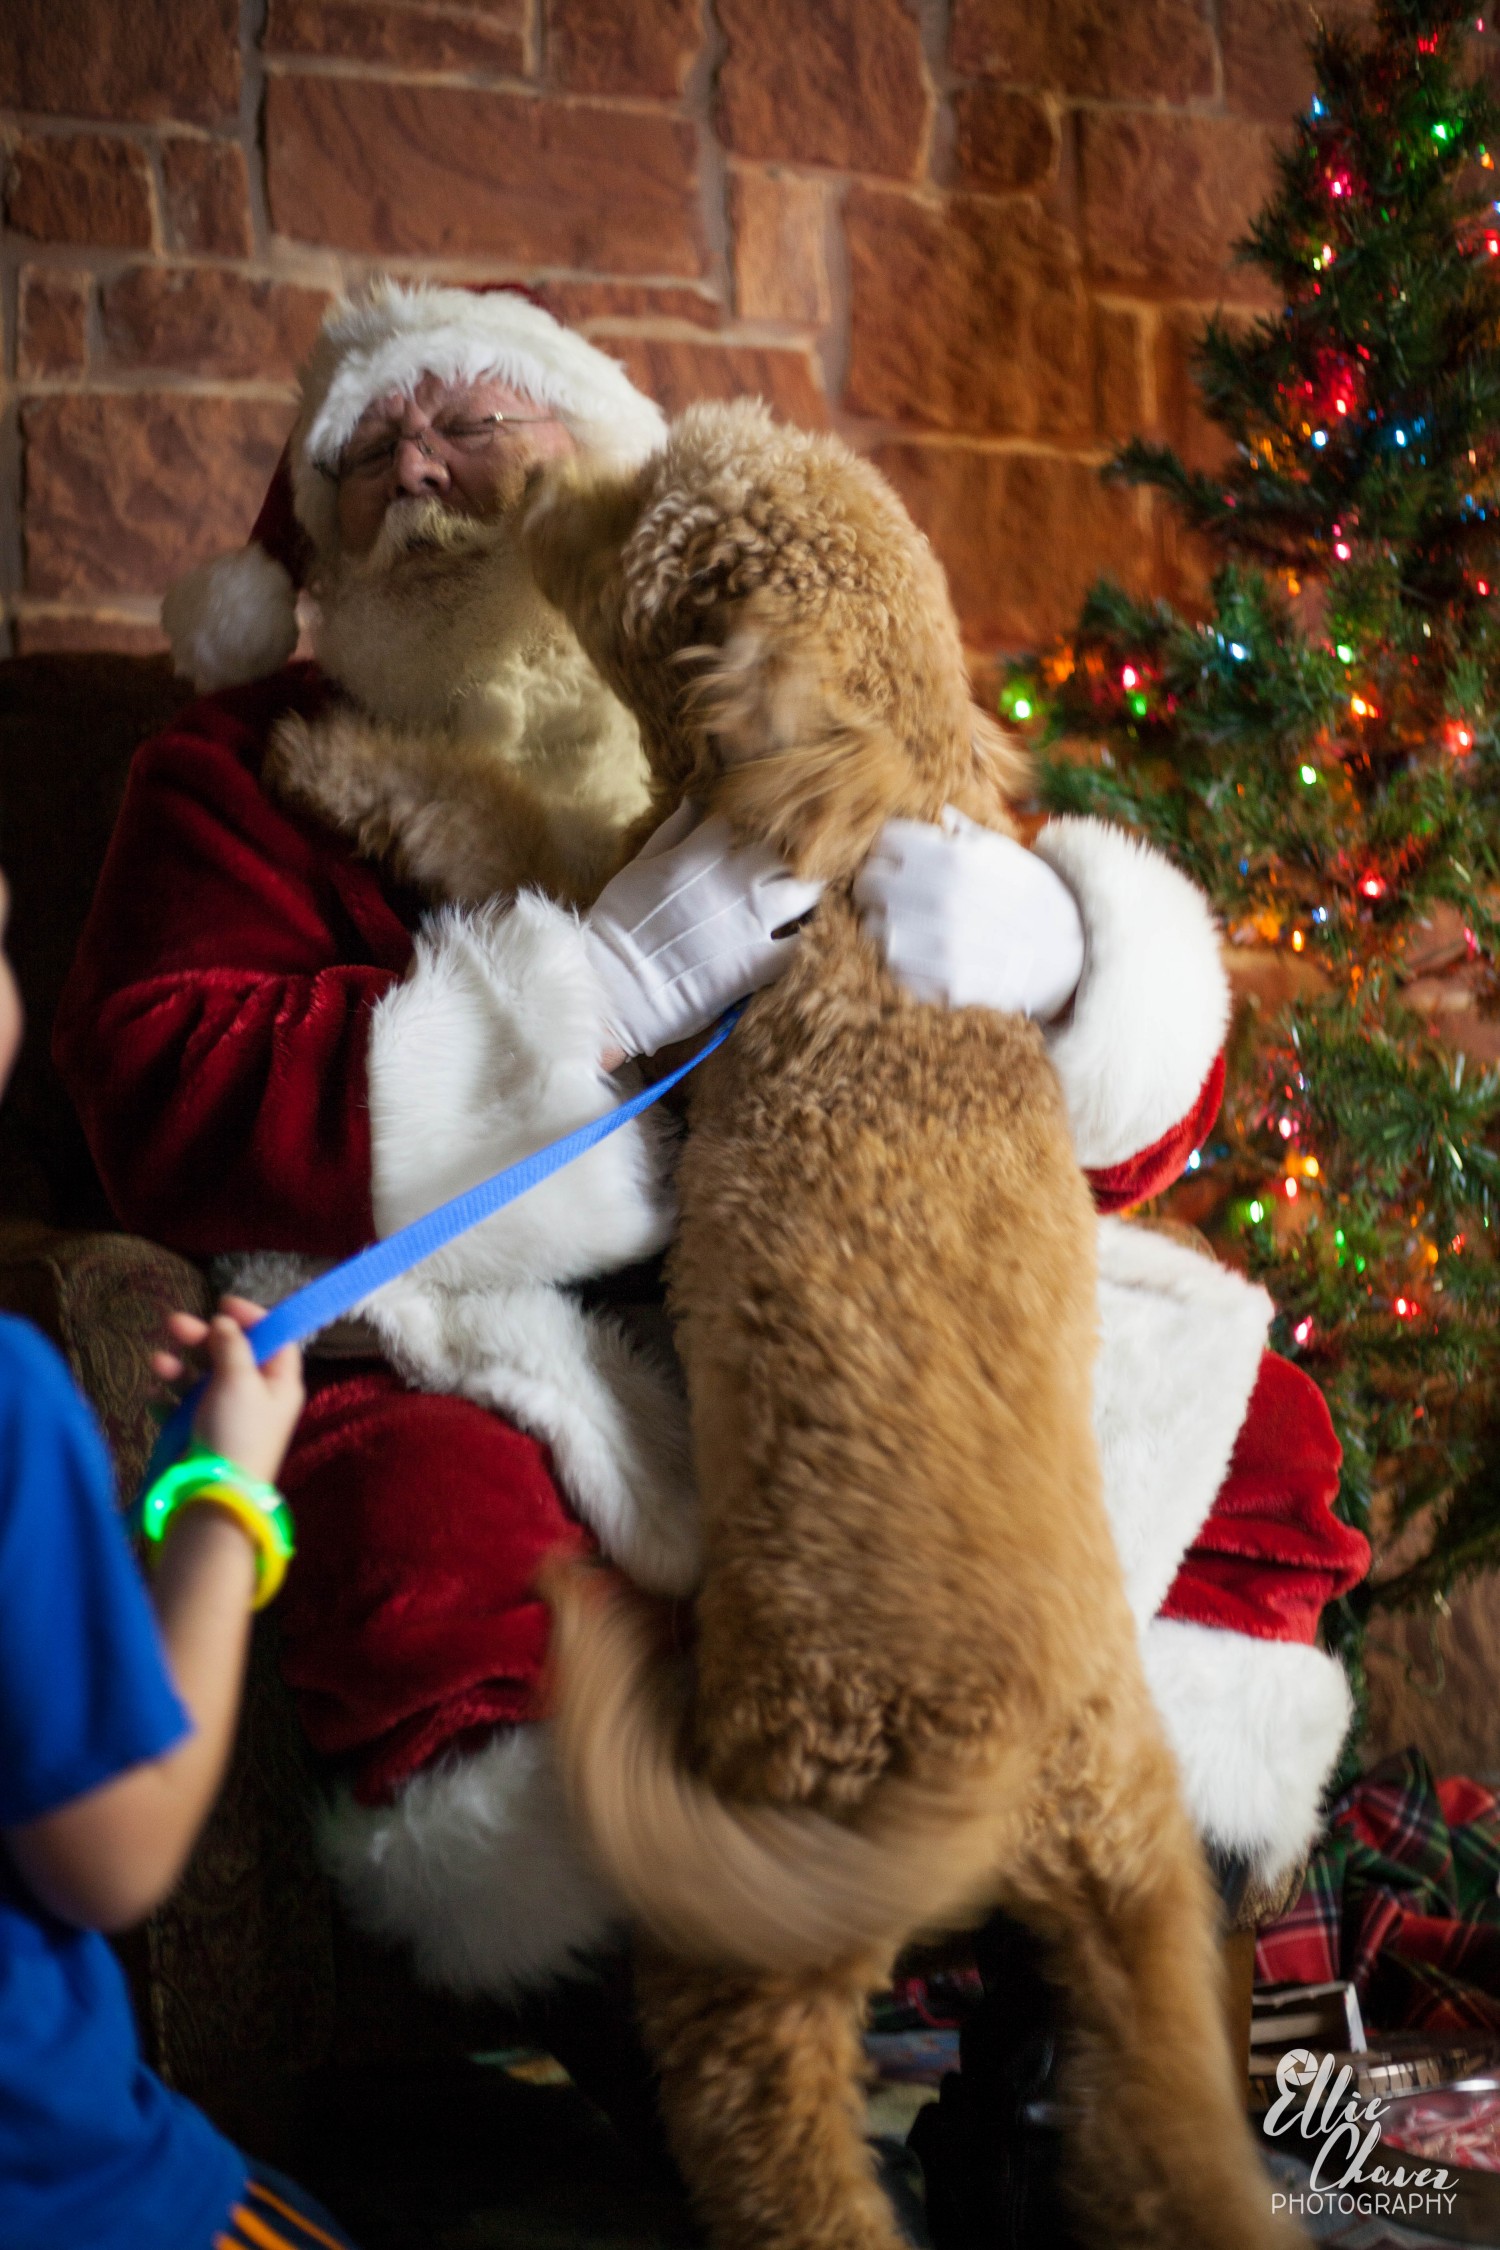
(915, 1690)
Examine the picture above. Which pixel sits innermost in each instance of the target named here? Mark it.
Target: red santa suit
(272, 1052)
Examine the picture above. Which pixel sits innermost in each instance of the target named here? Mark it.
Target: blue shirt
(95, 2152)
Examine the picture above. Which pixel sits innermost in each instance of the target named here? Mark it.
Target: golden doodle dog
(915, 1691)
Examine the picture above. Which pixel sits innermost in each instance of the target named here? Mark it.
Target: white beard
(440, 628)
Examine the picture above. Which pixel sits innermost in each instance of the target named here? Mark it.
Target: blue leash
(344, 1286)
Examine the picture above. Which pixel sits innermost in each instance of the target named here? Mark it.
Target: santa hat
(235, 618)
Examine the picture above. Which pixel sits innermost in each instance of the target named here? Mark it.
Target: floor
(503, 2153)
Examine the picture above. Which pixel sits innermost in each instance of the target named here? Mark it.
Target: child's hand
(248, 1413)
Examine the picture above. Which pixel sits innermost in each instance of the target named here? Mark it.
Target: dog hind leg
(1159, 2154)
(763, 2100)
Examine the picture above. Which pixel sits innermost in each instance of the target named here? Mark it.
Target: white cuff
(1256, 1727)
(486, 1052)
(1180, 1343)
(1152, 1007)
(478, 1867)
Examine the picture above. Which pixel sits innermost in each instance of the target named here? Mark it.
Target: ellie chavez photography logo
(1314, 2101)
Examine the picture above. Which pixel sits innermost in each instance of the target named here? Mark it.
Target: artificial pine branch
(1319, 746)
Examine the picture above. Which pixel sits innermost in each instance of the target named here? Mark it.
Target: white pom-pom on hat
(234, 618)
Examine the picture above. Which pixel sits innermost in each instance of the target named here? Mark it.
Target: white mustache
(422, 523)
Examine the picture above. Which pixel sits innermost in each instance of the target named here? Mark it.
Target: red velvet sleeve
(1272, 1551)
(1156, 1167)
(214, 1027)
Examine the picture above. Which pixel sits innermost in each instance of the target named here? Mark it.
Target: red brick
(1264, 42)
(780, 256)
(965, 315)
(207, 197)
(1120, 407)
(407, 34)
(623, 46)
(125, 490)
(1022, 535)
(1165, 197)
(1148, 50)
(839, 83)
(53, 307)
(444, 171)
(675, 371)
(147, 60)
(1004, 141)
(202, 321)
(80, 187)
(63, 632)
(578, 303)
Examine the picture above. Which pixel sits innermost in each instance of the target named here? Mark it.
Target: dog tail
(741, 1886)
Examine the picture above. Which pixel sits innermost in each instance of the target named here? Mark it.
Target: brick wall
(973, 235)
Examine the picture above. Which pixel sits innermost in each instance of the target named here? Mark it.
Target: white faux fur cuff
(486, 1052)
(1180, 1343)
(477, 1868)
(1151, 1010)
(614, 1419)
(1256, 1727)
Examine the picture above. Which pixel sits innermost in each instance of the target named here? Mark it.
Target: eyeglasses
(454, 437)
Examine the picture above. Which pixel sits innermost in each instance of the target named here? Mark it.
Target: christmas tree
(1321, 751)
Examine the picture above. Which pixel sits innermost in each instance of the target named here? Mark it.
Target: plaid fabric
(1402, 1897)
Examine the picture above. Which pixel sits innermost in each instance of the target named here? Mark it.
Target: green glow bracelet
(257, 1508)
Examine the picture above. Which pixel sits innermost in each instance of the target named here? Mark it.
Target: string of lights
(1319, 745)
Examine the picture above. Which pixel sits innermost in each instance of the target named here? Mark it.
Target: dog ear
(575, 523)
(788, 755)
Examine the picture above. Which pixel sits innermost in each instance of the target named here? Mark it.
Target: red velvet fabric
(1272, 1552)
(214, 1026)
(411, 1616)
(1117, 1186)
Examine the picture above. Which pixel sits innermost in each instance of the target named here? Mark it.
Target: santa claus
(278, 1047)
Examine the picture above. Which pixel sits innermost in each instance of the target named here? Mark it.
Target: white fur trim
(614, 1418)
(392, 333)
(477, 1868)
(1152, 1008)
(1180, 1343)
(486, 1052)
(231, 619)
(1256, 1727)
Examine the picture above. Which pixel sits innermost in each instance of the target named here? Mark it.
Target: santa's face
(426, 608)
(450, 450)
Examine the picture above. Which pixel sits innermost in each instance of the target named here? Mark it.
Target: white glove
(685, 929)
(968, 918)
